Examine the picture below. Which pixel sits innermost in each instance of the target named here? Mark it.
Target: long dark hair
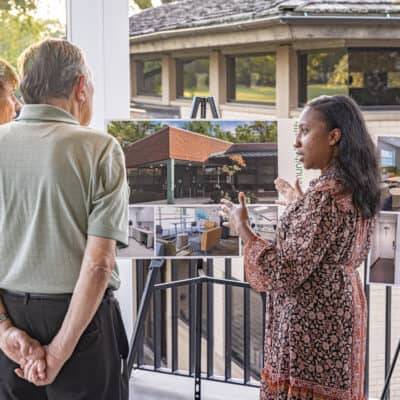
(356, 161)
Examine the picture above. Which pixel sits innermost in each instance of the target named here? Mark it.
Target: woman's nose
(297, 142)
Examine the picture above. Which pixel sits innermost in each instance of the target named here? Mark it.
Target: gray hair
(49, 69)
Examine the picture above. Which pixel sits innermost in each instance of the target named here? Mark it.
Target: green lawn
(188, 94)
(330, 90)
(267, 94)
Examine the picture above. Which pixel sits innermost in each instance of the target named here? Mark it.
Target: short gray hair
(49, 69)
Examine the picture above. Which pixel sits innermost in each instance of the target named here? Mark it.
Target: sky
(52, 9)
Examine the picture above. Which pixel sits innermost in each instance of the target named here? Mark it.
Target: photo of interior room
(263, 220)
(141, 233)
(385, 252)
(193, 231)
(389, 153)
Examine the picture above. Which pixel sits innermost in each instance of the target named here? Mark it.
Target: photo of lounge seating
(385, 252)
(389, 153)
(199, 162)
(263, 220)
(193, 231)
(141, 233)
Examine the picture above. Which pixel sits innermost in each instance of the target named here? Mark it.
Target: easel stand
(202, 103)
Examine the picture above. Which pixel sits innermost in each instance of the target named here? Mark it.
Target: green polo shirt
(59, 183)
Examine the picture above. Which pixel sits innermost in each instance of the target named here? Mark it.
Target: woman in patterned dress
(316, 309)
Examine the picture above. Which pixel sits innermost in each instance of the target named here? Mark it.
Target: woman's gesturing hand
(287, 191)
(237, 217)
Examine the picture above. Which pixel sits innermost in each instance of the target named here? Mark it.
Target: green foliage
(152, 77)
(18, 6)
(257, 132)
(203, 127)
(127, 132)
(196, 77)
(143, 4)
(252, 71)
(19, 28)
(323, 65)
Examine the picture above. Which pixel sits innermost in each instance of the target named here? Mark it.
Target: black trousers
(97, 369)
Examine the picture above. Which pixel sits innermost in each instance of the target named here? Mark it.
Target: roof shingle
(193, 13)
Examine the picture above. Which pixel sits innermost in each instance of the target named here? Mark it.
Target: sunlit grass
(330, 90)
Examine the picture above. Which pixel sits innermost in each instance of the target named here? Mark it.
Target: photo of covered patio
(175, 165)
(193, 231)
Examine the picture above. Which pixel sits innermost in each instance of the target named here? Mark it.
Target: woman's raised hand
(287, 191)
(237, 216)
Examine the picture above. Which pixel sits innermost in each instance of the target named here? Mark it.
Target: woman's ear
(335, 136)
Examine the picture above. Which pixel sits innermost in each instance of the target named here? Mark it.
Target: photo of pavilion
(173, 164)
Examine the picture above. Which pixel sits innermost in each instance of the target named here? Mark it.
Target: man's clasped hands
(36, 363)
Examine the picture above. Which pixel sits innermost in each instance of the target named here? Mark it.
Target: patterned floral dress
(316, 308)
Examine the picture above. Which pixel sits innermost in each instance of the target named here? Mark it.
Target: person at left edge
(64, 201)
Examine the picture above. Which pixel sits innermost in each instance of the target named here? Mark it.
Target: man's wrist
(5, 324)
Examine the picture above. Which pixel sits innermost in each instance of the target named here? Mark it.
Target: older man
(64, 207)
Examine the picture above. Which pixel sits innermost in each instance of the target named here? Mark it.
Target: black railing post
(228, 321)
(367, 297)
(210, 320)
(388, 335)
(174, 317)
(197, 377)
(192, 321)
(157, 326)
(246, 334)
(138, 329)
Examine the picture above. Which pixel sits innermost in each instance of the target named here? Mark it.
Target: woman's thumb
(298, 188)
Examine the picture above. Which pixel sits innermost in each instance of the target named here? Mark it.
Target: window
(148, 77)
(322, 72)
(370, 76)
(251, 78)
(192, 77)
(388, 158)
(375, 76)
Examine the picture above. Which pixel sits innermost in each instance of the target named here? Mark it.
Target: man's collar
(45, 113)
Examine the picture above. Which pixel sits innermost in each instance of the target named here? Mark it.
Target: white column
(168, 80)
(218, 77)
(101, 29)
(286, 81)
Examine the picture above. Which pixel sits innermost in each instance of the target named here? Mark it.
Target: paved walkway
(156, 386)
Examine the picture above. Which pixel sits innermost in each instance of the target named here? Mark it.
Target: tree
(127, 132)
(202, 127)
(19, 6)
(19, 28)
(257, 132)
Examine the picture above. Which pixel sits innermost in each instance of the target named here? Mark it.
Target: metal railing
(150, 350)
